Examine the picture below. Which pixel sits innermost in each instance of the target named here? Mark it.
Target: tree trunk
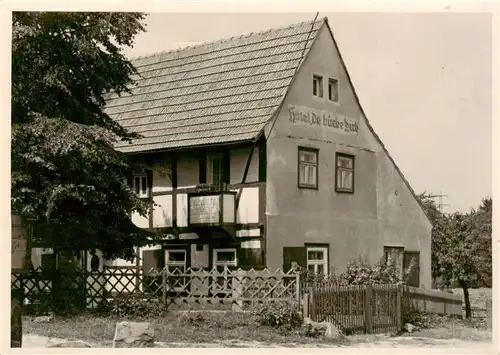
(468, 311)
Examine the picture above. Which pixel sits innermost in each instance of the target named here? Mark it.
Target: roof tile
(213, 93)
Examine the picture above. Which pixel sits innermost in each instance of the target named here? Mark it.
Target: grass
(474, 330)
(230, 328)
(205, 327)
(478, 298)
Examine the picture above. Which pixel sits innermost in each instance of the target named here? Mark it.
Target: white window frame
(177, 264)
(315, 263)
(224, 263)
(333, 81)
(315, 166)
(139, 190)
(339, 170)
(222, 283)
(317, 81)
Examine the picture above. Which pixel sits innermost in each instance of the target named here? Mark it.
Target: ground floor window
(411, 262)
(223, 261)
(224, 258)
(394, 256)
(175, 260)
(176, 264)
(317, 260)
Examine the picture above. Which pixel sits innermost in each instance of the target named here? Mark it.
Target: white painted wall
(182, 210)
(238, 159)
(139, 221)
(162, 214)
(248, 208)
(254, 232)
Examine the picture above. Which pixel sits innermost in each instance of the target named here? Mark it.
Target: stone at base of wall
(133, 335)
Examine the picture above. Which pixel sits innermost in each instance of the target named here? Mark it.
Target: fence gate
(356, 309)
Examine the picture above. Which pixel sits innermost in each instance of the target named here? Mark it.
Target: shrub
(133, 306)
(310, 279)
(283, 315)
(360, 272)
(423, 320)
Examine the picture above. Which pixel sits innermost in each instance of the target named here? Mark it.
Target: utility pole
(440, 204)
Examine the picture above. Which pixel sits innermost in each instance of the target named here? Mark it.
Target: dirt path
(37, 341)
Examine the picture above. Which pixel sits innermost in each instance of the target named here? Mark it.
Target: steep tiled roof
(217, 92)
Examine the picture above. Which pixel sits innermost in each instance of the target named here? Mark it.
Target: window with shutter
(250, 258)
(394, 256)
(293, 255)
(151, 266)
(412, 259)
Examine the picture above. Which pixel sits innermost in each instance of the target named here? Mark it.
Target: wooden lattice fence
(356, 309)
(235, 288)
(191, 288)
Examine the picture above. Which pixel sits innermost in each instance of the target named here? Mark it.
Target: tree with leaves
(67, 179)
(461, 246)
(481, 219)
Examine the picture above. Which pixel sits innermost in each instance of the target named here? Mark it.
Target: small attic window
(139, 185)
(333, 90)
(317, 86)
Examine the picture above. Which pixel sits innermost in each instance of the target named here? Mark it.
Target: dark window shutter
(49, 262)
(226, 164)
(152, 259)
(414, 277)
(294, 254)
(160, 258)
(149, 174)
(249, 258)
(203, 168)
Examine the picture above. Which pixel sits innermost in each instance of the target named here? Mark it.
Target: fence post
(398, 308)
(297, 286)
(368, 310)
(23, 289)
(312, 302)
(164, 286)
(305, 305)
(237, 278)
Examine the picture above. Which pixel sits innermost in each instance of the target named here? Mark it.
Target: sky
(424, 81)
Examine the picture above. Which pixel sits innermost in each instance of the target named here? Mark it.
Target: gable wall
(354, 225)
